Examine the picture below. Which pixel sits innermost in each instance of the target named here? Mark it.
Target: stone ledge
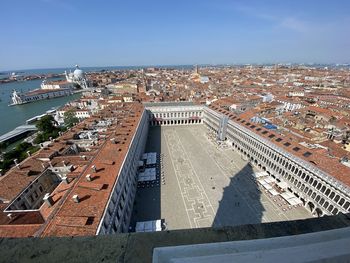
(138, 247)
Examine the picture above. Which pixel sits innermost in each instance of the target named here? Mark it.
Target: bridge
(20, 131)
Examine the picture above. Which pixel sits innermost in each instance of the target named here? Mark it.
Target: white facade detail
(77, 77)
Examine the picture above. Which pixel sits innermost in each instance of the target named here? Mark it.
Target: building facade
(85, 182)
(167, 113)
(117, 215)
(320, 192)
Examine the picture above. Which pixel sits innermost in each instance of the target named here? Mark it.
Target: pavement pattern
(205, 184)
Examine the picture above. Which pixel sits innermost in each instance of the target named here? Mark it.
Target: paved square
(204, 185)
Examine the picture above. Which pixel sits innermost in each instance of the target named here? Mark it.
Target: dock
(20, 131)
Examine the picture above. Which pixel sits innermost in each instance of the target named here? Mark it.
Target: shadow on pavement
(240, 203)
(147, 200)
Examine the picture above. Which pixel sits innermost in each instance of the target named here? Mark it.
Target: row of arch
(175, 122)
(177, 114)
(275, 163)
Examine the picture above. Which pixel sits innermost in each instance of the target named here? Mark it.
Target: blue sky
(62, 33)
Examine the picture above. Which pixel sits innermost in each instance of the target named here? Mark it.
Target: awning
(282, 185)
(269, 180)
(149, 226)
(273, 192)
(148, 175)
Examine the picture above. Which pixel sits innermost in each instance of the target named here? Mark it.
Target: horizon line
(179, 65)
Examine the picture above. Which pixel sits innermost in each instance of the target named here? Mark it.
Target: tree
(46, 129)
(2, 147)
(69, 119)
(46, 124)
(20, 152)
(39, 138)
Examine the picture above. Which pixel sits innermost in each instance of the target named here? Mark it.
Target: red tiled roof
(331, 166)
(65, 217)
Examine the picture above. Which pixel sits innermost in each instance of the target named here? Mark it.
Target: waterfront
(13, 116)
(27, 72)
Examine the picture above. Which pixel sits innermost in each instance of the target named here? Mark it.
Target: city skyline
(54, 34)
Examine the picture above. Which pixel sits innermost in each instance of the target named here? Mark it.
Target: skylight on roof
(307, 154)
(296, 149)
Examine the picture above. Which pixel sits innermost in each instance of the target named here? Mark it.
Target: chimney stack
(28, 152)
(50, 164)
(16, 163)
(64, 179)
(93, 168)
(50, 138)
(48, 199)
(88, 177)
(64, 163)
(76, 198)
(9, 216)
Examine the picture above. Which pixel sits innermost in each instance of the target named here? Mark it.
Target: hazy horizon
(71, 67)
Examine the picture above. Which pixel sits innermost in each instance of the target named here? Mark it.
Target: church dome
(78, 73)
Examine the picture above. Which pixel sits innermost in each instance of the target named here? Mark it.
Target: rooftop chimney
(64, 179)
(16, 163)
(50, 164)
(48, 199)
(50, 138)
(76, 198)
(28, 152)
(9, 216)
(93, 168)
(88, 177)
(64, 163)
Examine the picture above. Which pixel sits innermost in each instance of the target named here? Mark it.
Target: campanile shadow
(241, 201)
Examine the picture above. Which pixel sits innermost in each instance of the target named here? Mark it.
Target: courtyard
(203, 184)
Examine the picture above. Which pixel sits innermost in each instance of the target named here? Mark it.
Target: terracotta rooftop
(65, 217)
(290, 143)
(83, 218)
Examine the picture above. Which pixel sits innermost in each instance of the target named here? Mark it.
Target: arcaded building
(84, 182)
